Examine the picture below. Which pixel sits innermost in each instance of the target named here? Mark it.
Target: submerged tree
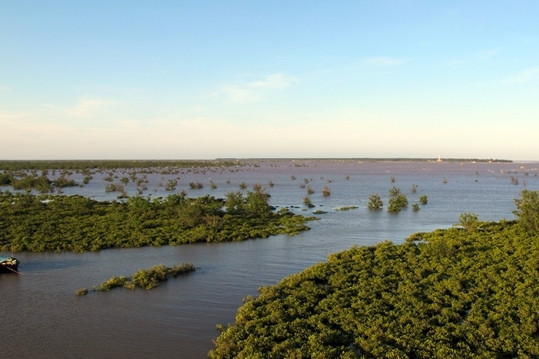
(397, 200)
(375, 202)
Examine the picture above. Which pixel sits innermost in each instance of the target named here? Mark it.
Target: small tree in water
(375, 202)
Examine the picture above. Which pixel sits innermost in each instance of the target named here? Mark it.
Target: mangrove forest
(39, 223)
(469, 291)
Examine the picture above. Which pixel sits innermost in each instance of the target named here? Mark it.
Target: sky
(269, 79)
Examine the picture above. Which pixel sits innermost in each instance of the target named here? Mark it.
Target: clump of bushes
(113, 282)
(144, 278)
(196, 185)
(346, 208)
(326, 192)
(397, 200)
(375, 202)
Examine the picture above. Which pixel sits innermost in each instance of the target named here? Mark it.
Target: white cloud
(85, 107)
(274, 81)
(255, 90)
(528, 75)
(240, 94)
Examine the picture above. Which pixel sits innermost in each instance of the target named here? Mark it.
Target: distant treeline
(108, 164)
(373, 159)
(17, 165)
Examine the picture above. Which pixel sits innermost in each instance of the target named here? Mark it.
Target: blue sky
(209, 79)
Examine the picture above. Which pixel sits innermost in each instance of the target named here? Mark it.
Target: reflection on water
(42, 317)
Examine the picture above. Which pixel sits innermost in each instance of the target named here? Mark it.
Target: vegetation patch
(39, 223)
(454, 293)
(447, 294)
(145, 278)
(346, 208)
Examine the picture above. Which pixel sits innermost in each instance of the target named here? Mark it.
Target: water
(42, 317)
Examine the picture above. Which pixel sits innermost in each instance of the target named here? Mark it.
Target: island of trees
(47, 222)
(465, 292)
(148, 278)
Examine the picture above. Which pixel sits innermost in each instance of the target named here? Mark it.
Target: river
(43, 318)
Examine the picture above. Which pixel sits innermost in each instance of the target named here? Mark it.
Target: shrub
(171, 185)
(180, 269)
(397, 200)
(196, 185)
(397, 203)
(82, 291)
(150, 278)
(307, 202)
(347, 208)
(528, 210)
(326, 192)
(469, 221)
(375, 202)
(111, 283)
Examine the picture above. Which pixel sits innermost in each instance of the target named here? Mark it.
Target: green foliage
(62, 182)
(423, 199)
(446, 294)
(180, 269)
(108, 164)
(114, 187)
(469, 221)
(528, 210)
(150, 278)
(39, 223)
(144, 278)
(307, 202)
(171, 185)
(82, 291)
(113, 282)
(346, 208)
(196, 185)
(326, 192)
(397, 200)
(394, 191)
(5, 179)
(375, 202)
(41, 183)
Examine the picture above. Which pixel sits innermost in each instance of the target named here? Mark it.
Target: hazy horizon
(236, 79)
